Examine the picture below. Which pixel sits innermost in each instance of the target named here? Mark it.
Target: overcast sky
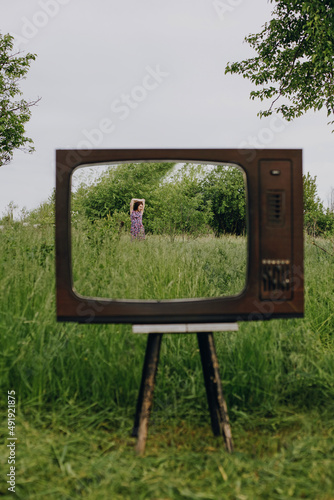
(150, 73)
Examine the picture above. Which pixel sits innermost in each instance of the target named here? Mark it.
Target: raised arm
(131, 205)
(133, 201)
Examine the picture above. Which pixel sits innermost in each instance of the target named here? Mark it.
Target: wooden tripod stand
(217, 405)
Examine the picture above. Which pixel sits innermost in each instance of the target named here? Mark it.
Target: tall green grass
(281, 458)
(262, 365)
(75, 380)
(158, 268)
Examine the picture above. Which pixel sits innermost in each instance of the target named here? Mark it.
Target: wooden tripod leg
(214, 391)
(145, 397)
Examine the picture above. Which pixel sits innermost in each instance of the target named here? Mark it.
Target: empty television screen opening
(186, 238)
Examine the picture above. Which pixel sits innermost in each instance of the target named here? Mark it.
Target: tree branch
(27, 104)
(291, 69)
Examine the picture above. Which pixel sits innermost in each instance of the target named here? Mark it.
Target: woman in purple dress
(136, 213)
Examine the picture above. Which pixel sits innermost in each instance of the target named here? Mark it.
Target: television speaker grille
(275, 279)
(275, 211)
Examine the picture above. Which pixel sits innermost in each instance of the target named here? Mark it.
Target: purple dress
(137, 228)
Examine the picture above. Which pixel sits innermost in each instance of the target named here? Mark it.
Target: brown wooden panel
(272, 241)
(276, 226)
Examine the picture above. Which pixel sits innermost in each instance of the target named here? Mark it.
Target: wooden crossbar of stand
(217, 405)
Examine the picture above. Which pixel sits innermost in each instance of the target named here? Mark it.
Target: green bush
(192, 200)
(317, 220)
(116, 187)
(224, 190)
(179, 207)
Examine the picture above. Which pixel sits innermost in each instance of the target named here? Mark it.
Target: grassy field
(76, 385)
(158, 268)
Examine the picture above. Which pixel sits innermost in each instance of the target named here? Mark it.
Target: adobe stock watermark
(262, 139)
(88, 310)
(123, 106)
(11, 441)
(225, 7)
(32, 26)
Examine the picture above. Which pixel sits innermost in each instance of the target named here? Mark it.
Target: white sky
(147, 73)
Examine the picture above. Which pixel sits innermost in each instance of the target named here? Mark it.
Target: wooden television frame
(275, 278)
